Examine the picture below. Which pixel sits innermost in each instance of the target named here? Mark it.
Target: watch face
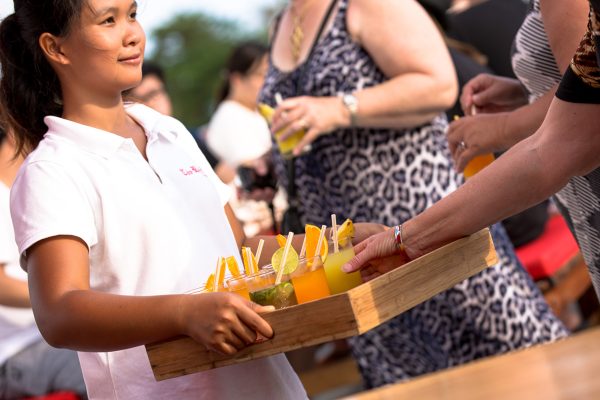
(350, 102)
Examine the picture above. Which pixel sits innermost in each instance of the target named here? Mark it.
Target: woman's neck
(238, 98)
(105, 113)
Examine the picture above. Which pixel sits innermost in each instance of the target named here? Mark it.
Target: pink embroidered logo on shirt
(192, 170)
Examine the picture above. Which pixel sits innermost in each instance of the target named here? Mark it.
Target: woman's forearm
(525, 121)
(566, 145)
(76, 321)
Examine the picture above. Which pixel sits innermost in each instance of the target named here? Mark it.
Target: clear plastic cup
(238, 286)
(264, 291)
(338, 280)
(309, 280)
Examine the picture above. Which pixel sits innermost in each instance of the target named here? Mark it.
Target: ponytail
(29, 87)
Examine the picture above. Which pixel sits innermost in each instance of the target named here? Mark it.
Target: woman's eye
(109, 20)
(133, 15)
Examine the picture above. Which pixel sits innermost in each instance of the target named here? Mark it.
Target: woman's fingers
(308, 138)
(249, 316)
(284, 117)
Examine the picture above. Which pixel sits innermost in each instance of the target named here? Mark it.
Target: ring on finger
(303, 123)
(462, 145)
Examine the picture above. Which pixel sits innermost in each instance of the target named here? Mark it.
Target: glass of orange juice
(238, 286)
(309, 280)
(338, 280)
(477, 164)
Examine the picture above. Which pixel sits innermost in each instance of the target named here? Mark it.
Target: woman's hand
(376, 255)
(364, 230)
(316, 115)
(489, 94)
(223, 322)
(471, 136)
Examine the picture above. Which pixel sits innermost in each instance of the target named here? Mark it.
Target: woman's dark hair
(2, 135)
(29, 87)
(151, 68)
(241, 60)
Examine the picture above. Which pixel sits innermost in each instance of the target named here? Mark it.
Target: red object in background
(56, 396)
(543, 257)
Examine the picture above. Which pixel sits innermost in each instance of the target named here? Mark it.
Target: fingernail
(346, 268)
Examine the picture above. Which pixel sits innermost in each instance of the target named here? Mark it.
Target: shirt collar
(104, 143)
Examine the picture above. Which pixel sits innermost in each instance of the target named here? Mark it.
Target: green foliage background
(192, 49)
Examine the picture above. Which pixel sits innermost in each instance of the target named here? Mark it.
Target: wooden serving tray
(339, 316)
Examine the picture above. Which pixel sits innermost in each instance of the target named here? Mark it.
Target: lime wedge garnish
(291, 262)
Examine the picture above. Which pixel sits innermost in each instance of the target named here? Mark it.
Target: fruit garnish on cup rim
(233, 267)
(312, 233)
(291, 262)
(345, 232)
(281, 240)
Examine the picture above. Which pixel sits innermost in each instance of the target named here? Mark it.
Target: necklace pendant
(296, 41)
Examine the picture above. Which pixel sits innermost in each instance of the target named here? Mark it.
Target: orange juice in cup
(477, 164)
(238, 286)
(309, 280)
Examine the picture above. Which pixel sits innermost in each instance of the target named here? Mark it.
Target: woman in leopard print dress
(388, 175)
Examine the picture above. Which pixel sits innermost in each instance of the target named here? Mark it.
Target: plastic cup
(238, 286)
(309, 280)
(477, 164)
(263, 290)
(286, 146)
(338, 280)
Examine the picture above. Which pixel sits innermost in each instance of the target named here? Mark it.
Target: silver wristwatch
(351, 103)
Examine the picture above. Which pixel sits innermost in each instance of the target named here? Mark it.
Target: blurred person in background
(28, 365)
(372, 106)
(239, 136)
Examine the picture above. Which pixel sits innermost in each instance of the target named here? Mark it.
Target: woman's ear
(51, 47)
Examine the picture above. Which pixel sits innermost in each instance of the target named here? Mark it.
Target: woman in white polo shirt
(116, 210)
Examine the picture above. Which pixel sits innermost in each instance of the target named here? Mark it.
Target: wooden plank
(339, 316)
(419, 280)
(566, 370)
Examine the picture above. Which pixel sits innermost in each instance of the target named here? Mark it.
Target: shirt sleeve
(581, 82)
(47, 201)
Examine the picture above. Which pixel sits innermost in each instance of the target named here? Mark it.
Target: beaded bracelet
(398, 237)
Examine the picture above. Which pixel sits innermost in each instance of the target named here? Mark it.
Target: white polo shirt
(153, 228)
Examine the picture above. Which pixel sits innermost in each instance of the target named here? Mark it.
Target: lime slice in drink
(291, 262)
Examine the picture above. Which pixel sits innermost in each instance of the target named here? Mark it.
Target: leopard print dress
(389, 176)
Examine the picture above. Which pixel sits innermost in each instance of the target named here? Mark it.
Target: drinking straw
(250, 266)
(215, 287)
(258, 253)
(336, 248)
(286, 250)
(278, 98)
(303, 249)
(320, 241)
